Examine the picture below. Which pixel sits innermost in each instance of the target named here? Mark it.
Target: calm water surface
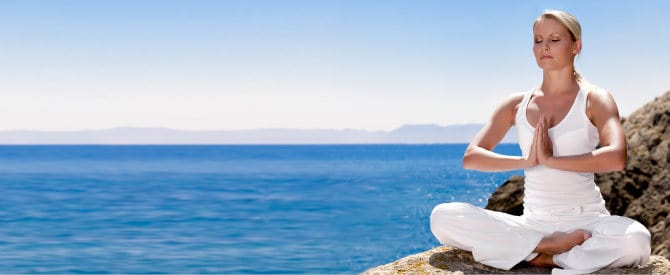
(225, 209)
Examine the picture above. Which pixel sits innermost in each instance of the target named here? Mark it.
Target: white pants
(501, 240)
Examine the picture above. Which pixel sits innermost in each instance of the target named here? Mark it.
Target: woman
(568, 130)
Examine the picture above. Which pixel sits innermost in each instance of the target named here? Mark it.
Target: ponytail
(578, 76)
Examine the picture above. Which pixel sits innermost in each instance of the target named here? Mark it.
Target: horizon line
(243, 144)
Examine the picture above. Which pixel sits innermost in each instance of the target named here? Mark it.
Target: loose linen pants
(501, 240)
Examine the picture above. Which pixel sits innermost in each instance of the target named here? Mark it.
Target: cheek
(566, 47)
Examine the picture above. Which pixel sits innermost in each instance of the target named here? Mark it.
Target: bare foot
(543, 260)
(560, 242)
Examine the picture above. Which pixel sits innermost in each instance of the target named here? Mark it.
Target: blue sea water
(226, 209)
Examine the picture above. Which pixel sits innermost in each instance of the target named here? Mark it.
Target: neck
(559, 81)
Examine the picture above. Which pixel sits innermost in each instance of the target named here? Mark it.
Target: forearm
(605, 159)
(480, 159)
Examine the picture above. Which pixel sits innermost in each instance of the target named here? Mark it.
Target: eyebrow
(538, 35)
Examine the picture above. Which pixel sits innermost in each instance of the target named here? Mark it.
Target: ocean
(244, 209)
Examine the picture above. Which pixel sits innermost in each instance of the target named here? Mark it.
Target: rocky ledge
(447, 260)
(641, 191)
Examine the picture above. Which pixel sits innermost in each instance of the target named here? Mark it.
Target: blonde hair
(571, 23)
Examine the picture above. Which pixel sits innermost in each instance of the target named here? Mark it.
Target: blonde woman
(568, 130)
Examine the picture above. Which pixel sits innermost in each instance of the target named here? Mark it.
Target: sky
(331, 64)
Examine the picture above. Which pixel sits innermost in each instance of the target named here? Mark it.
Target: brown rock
(448, 260)
(642, 190)
(508, 197)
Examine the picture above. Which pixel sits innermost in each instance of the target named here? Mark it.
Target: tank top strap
(585, 90)
(583, 97)
(520, 118)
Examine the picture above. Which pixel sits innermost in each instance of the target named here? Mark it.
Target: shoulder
(516, 97)
(600, 106)
(598, 95)
(599, 100)
(514, 100)
(508, 108)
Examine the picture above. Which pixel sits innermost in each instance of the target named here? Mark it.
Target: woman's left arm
(610, 156)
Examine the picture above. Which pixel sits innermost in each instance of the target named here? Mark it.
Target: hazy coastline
(407, 134)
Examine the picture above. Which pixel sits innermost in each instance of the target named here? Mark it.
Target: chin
(548, 66)
(543, 66)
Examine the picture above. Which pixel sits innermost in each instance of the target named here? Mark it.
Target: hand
(543, 146)
(531, 159)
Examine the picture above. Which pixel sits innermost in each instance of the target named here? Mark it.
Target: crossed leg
(557, 243)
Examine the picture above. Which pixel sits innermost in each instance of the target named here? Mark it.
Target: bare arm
(479, 155)
(611, 156)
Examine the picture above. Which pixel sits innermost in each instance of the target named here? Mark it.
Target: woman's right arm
(479, 155)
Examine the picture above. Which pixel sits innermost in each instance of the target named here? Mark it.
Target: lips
(546, 57)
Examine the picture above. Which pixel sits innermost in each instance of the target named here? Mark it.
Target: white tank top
(551, 189)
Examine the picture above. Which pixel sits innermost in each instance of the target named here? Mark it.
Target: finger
(536, 138)
(541, 138)
(546, 120)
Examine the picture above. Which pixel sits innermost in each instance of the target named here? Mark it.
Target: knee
(447, 213)
(630, 240)
(449, 210)
(635, 247)
(639, 240)
(444, 218)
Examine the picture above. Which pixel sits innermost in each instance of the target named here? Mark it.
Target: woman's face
(553, 48)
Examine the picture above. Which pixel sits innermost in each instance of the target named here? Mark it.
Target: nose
(546, 45)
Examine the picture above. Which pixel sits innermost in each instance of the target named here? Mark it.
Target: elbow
(618, 166)
(619, 162)
(468, 162)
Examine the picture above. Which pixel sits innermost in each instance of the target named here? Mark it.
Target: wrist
(549, 161)
(528, 161)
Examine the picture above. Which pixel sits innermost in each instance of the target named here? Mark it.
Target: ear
(577, 48)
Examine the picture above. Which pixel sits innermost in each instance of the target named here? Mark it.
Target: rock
(642, 190)
(508, 197)
(448, 260)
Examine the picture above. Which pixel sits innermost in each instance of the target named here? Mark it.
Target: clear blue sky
(376, 65)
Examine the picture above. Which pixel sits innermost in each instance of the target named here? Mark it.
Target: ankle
(543, 260)
(559, 242)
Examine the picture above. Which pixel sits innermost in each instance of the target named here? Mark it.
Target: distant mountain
(424, 133)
